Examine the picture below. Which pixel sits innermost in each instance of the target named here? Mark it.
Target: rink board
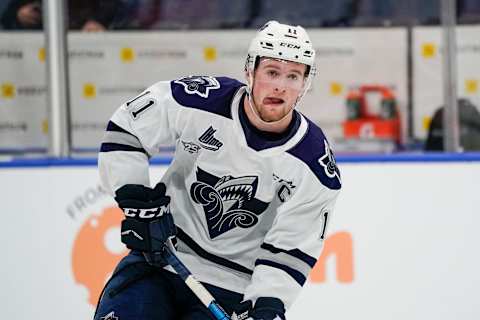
(108, 68)
(403, 243)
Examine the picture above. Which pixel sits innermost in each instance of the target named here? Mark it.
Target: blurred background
(380, 86)
(397, 93)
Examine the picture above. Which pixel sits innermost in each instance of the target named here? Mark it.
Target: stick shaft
(197, 288)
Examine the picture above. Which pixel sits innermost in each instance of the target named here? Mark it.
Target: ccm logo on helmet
(289, 45)
(147, 213)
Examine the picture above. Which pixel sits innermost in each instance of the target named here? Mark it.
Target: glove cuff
(268, 308)
(147, 236)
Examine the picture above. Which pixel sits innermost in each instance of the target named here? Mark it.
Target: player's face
(276, 86)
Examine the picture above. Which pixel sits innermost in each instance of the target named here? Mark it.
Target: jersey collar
(265, 144)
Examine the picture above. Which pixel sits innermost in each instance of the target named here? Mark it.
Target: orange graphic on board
(339, 244)
(92, 262)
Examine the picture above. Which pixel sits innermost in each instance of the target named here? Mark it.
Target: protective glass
(280, 74)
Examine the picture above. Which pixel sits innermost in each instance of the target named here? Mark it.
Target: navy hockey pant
(137, 291)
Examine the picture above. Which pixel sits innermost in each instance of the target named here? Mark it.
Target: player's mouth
(273, 101)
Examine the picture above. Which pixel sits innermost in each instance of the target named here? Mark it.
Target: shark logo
(228, 202)
(327, 161)
(199, 85)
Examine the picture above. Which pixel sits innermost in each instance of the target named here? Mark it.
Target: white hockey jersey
(251, 208)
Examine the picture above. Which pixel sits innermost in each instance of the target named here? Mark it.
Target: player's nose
(280, 87)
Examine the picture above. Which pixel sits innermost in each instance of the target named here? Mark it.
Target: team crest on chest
(228, 202)
(199, 85)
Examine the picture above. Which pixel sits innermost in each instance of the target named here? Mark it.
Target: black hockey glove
(149, 223)
(266, 308)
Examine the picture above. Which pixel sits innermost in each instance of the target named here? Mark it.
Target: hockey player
(251, 187)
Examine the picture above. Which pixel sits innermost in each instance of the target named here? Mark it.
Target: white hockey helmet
(285, 42)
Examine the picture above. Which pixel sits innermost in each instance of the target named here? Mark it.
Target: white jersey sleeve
(294, 242)
(292, 246)
(136, 132)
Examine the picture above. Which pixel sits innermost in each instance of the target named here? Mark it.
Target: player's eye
(272, 73)
(293, 76)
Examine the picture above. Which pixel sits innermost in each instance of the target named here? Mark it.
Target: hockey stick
(197, 288)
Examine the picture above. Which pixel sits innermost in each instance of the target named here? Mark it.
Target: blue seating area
(233, 14)
(469, 12)
(397, 13)
(198, 14)
(309, 13)
(305, 12)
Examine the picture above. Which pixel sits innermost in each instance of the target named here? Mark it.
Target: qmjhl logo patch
(228, 202)
(208, 141)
